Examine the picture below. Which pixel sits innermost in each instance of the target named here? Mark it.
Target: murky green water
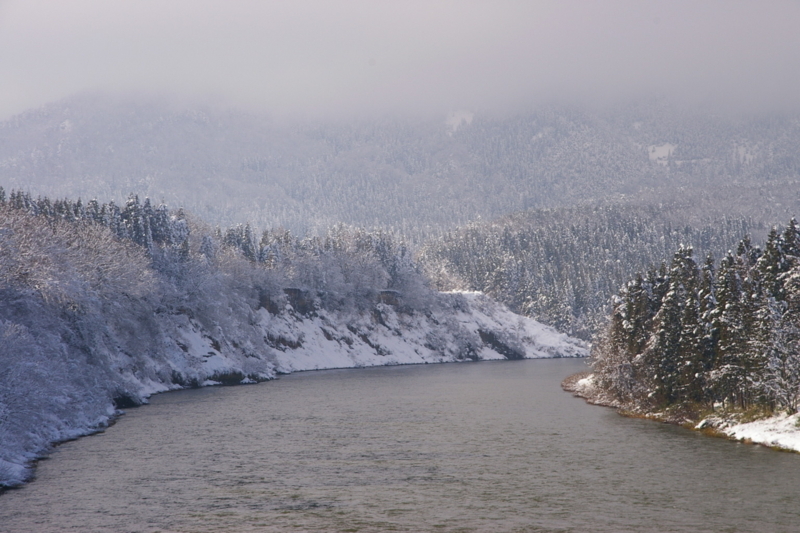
(457, 447)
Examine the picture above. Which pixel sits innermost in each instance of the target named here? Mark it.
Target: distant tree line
(688, 334)
(346, 266)
(137, 221)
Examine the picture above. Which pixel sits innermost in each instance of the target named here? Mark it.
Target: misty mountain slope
(418, 176)
(91, 322)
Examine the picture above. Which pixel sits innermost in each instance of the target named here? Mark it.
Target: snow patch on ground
(780, 431)
(744, 155)
(458, 118)
(471, 327)
(661, 153)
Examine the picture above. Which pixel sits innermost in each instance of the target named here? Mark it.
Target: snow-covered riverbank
(55, 390)
(780, 431)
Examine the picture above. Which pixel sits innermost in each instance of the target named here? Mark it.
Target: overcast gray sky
(317, 57)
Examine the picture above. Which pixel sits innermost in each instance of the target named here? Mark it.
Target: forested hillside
(562, 266)
(102, 305)
(416, 176)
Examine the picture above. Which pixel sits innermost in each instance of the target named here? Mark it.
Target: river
(455, 447)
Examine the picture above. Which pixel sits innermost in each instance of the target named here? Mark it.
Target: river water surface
(454, 447)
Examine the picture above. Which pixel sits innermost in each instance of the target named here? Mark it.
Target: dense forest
(690, 336)
(562, 266)
(558, 266)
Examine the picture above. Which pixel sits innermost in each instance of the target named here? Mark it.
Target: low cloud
(321, 58)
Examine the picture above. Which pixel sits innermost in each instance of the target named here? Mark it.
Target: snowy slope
(469, 327)
(62, 379)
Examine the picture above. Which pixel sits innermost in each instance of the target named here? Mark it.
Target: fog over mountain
(415, 115)
(416, 176)
(356, 58)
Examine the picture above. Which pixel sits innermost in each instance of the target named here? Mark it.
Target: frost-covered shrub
(68, 263)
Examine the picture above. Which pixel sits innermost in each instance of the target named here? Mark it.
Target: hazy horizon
(317, 59)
